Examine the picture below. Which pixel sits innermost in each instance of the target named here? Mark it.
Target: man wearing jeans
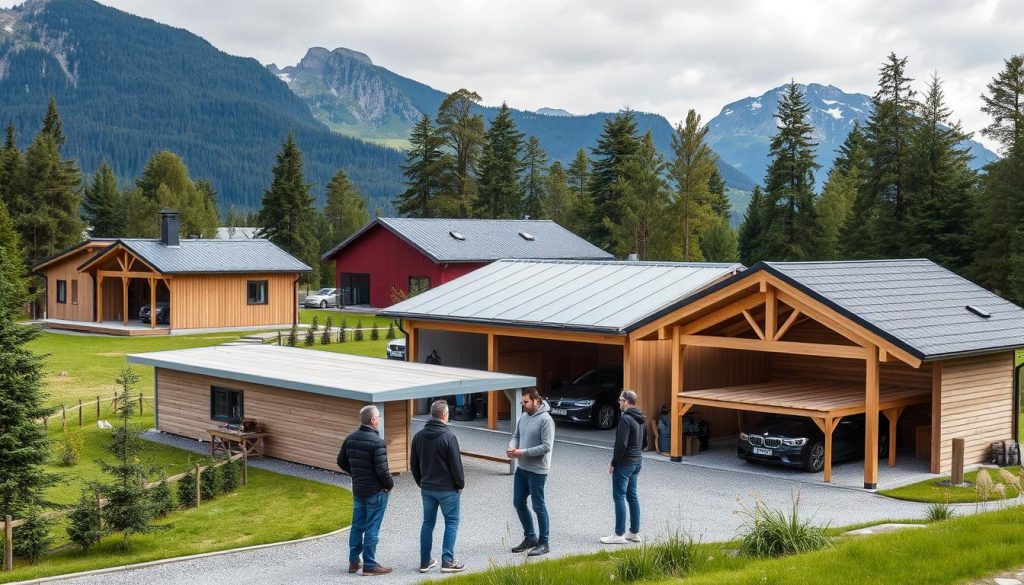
(531, 444)
(364, 456)
(625, 469)
(437, 468)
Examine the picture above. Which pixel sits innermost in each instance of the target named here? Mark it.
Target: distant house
(102, 284)
(391, 255)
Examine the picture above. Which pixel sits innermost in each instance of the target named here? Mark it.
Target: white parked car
(396, 349)
(323, 298)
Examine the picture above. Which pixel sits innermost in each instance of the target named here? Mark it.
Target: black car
(795, 441)
(593, 398)
(163, 313)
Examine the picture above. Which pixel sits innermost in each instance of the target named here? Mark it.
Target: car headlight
(584, 403)
(795, 442)
(743, 436)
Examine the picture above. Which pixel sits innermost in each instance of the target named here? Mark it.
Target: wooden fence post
(79, 412)
(279, 337)
(140, 403)
(957, 475)
(8, 544)
(63, 417)
(245, 466)
(99, 517)
(199, 495)
(97, 407)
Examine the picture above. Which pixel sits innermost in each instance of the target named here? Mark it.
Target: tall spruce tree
(752, 229)
(1004, 102)
(50, 221)
(23, 441)
(52, 124)
(501, 195)
(840, 193)
(344, 209)
(103, 205)
(423, 170)
(577, 176)
(791, 230)
(941, 211)
(617, 142)
(463, 133)
(12, 173)
(165, 181)
(560, 200)
(645, 198)
(719, 242)
(535, 164)
(692, 169)
(286, 216)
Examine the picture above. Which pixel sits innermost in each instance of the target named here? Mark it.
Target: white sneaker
(614, 539)
(634, 537)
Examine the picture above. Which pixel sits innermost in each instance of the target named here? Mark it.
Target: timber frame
(128, 266)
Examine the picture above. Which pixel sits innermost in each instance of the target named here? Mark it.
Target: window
(418, 284)
(257, 292)
(226, 404)
(62, 291)
(74, 292)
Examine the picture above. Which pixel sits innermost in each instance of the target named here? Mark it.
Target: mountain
(127, 87)
(349, 93)
(742, 131)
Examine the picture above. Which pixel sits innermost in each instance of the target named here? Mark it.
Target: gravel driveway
(673, 496)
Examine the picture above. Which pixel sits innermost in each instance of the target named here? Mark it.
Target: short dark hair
(629, 396)
(532, 393)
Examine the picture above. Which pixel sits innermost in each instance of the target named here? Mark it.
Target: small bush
(374, 332)
(391, 332)
(358, 334)
(70, 446)
(230, 476)
(84, 521)
(32, 539)
(637, 564)
(939, 511)
(310, 337)
(187, 491)
(774, 533)
(314, 325)
(342, 336)
(293, 337)
(162, 498)
(209, 482)
(325, 339)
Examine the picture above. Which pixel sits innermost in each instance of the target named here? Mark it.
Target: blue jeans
(530, 484)
(367, 514)
(449, 504)
(623, 491)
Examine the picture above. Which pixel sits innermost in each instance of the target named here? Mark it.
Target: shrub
(162, 498)
(358, 334)
(314, 325)
(230, 476)
(32, 539)
(70, 446)
(325, 339)
(310, 337)
(774, 533)
(391, 332)
(374, 332)
(293, 336)
(187, 491)
(939, 511)
(84, 521)
(637, 564)
(342, 336)
(209, 482)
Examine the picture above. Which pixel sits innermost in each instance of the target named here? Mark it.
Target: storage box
(691, 446)
(923, 443)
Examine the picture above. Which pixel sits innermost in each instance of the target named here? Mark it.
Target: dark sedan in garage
(795, 441)
(591, 399)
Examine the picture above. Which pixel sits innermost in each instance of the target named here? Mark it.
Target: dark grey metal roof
(485, 240)
(916, 304)
(193, 256)
(582, 295)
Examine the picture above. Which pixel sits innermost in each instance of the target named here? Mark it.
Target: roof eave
(505, 323)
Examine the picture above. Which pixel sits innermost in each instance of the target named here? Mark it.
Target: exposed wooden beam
(785, 326)
(753, 325)
(691, 308)
(493, 395)
(627, 378)
(524, 332)
(129, 274)
(871, 390)
(124, 298)
(152, 303)
(936, 447)
(818, 349)
(771, 319)
(731, 310)
(99, 298)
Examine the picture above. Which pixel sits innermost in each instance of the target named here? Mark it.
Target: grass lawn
(306, 316)
(948, 552)
(377, 349)
(930, 490)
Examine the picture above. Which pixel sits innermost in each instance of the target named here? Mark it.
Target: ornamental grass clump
(517, 575)
(637, 564)
(775, 533)
(939, 511)
(984, 487)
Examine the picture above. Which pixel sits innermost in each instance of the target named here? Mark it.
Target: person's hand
(611, 469)
(515, 453)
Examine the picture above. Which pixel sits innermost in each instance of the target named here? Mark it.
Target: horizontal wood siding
(892, 373)
(220, 300)
(67, 269)
(304, 428)
(977, 406)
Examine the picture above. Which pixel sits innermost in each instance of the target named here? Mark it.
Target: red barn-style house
(390, 255)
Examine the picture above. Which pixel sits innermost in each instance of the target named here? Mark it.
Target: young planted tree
(357, 335)
(310, 337)
(84, 521)
(342, 333)
(535, 163)
(293, 337)
(325, 338)
(424, 168)
(500, 193)
(374, 332)
(391, 332)
(162, 498)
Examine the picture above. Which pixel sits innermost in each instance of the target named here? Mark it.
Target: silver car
(396, 349)
(323, 298)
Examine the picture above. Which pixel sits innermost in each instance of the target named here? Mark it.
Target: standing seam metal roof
(222, 256)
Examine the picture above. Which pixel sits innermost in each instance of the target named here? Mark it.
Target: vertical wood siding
(976, 405)
(304, 428)
(221, 300)
(710, 367)
(67, 269)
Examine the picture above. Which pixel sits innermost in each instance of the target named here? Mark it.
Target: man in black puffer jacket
(364, 456)
(437, 468)
(625, 469)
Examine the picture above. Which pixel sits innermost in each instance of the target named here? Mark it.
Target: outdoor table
(222, 441)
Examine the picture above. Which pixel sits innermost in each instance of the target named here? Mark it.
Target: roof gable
(207, 256)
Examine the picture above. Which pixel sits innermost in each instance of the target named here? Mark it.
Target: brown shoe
(378, 570)
(354, 567)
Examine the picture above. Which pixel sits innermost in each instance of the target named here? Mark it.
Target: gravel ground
(700, 501)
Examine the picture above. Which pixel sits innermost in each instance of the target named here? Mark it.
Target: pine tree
(203, 215)
(12, 174)
(33, 539)
(501, 195)
(719, 243)
(374, 332)
(692, 169)
(391, 331)
(1005, 104)
(753, 228)
(344, 209)
(84, 521)
(616, 144)
(210, 481)
(141, 214)
(286, 215)
(52, 124)
(463, 133)
(833, 207)
(535, 163)
(357, 335)
(165, 182)
(559, 199)
(293, 337)
(423, 170)
(50, 221)
(187, 491)
(719, 200)
(325, 338)
(790, 230)
(23, 441)
(162, 497)
(578, 178)
(103, 205)
(645, 200)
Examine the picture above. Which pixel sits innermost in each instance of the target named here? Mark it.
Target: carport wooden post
(124, 298)
(492, 396)
(627, 378)
(676, 449)
(515, 409)
(871, 384)
(827, 426)
(893, 416)
(152, 303)
(98, 301)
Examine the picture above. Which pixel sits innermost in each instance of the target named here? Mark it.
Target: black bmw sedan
(592, 398)
(795, 441)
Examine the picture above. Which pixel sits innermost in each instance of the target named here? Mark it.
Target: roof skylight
(978, 311)
(527, 236)
(458, 236)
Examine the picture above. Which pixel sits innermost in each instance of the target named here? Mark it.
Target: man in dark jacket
(625, 468)
(437, 468)
(364, 456)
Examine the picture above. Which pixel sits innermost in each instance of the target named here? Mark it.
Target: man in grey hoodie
(531, 444)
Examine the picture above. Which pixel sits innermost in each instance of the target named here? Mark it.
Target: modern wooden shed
(101, 284)
(306, 401)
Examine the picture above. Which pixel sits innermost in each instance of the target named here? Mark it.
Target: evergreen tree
(23, 441)
(84, 521)
(12, 174)
(753, 228)
(617, 142)
(463, 133)
(833, 207)
(718, 243)
(423, 170)
(391, 331)
(162, 498)
(286, 215)
(692, 169)
(790, 231)
(49, 221)
(535, 163)
(941, 211)
(357, 334)
(103, 205)
(560, 200)
(1005, 104)
(32, 539)
(344, 209)
(578, 178)
(52, 124)
(166, 184)
(204, 218)
(141, 214)
(500, 194)
(645, 201)
(719, 200)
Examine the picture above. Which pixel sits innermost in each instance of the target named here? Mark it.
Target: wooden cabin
(101, 285)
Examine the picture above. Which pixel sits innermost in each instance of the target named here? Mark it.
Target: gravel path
(700, 501)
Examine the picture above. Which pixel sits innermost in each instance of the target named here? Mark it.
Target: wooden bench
(488, 457)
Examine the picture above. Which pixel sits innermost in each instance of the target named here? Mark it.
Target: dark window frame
(226, 417)
(254, 300)
(62, 292)
(74, 292)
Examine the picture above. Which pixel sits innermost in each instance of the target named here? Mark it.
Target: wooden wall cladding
(221, 300)
(976, 396)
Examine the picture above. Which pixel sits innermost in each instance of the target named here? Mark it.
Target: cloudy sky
(600, 55)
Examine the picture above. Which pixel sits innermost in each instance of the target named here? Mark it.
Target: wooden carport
(120, 264)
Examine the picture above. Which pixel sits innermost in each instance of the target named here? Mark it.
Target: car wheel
(605, 418)
(323, 304)
(815, 457)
